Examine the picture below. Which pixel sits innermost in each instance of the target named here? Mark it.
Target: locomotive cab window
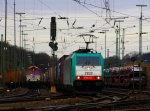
(86, 61)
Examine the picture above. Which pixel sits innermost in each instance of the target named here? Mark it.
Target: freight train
(125, 76)
(30, 76)
(81, 69)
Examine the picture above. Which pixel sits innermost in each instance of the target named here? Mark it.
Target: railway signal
(53, 28)
(53, 45)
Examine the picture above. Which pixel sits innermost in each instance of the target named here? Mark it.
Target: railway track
(105, 100)
(26, 95)
(76, 101)
(5, 93)
(127, 105)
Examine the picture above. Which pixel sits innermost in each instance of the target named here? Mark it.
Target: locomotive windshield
(86, 61)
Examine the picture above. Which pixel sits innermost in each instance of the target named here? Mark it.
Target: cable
(48, 7)
(105, 9)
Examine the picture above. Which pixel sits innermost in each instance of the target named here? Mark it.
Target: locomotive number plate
(88, 73)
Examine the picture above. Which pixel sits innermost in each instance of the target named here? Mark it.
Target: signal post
(53, 44)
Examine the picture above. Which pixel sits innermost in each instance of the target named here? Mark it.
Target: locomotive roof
(79, 51)
(33, 68)
(85, 51)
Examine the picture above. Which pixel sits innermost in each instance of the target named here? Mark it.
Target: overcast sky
(89, 14)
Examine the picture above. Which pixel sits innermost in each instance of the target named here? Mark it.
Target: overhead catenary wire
(34, 24)
(103, 8)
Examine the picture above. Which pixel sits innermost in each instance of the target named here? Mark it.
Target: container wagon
(125, 76)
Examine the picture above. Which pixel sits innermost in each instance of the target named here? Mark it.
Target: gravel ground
(14, 92)
(53, 102)
(46, 102)
(139, 95)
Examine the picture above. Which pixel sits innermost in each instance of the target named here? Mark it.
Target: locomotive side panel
(60, 70)
(67, 71)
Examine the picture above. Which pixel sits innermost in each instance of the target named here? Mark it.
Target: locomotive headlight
(98, 77)
(78, 77)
